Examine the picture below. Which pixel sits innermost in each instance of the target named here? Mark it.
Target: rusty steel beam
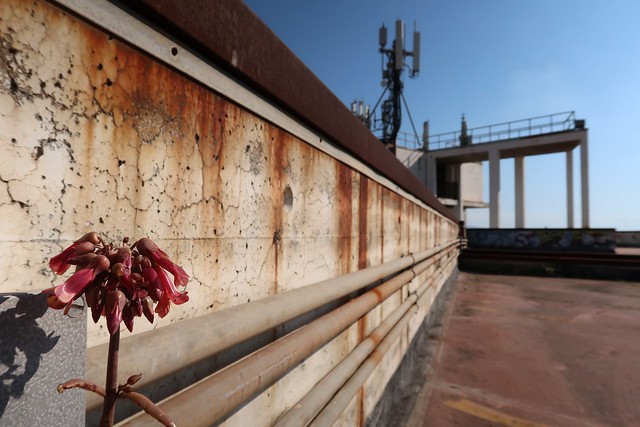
(228, 34)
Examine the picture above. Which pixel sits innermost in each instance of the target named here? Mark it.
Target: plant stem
(111, 386)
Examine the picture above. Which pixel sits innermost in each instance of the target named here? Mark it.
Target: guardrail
(523, 128)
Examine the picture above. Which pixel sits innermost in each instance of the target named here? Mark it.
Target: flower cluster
(119, 283)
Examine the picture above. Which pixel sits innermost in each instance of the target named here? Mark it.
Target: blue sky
(497, 61)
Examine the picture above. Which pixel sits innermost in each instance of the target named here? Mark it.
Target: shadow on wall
(38, 350)
(23, 343)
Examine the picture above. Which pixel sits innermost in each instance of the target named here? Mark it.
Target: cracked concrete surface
(97, 136)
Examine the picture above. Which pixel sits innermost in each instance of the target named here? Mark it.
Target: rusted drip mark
(363, 200)
(276, 248)
(279, 164)
(362, 328)
(380, 296)
(409, 208)
(381, 196)
(361, 414)
(345, 216)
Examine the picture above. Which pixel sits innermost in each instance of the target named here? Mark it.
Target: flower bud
(92, 294)
(82, 261)
(127, 316)
(147, 308)
(136, 307)
(92, 237)
(123, 255)
(115, 303)
(83, 248)
(134, 379)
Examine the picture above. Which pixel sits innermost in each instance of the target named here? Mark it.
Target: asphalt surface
(528, 352)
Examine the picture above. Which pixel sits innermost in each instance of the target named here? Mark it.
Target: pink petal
(154, 287)
(74, 285)
(55, 303)
(180, 277)
(169, 295)
(59, 263)
(169, 288)
(148, 248)
(163, 305)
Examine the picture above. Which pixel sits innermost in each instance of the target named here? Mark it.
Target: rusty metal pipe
(336, 406)
(239, 382)
(204, 336)
(334, 409)
(310, 405)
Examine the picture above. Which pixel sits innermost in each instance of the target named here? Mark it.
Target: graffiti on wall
(592, 240)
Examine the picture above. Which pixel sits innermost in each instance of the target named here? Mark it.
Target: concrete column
(584, 172)
(432, 174)
(519, 172)
(460, 206)
(570, 189)
(423, 169)
(494, 188)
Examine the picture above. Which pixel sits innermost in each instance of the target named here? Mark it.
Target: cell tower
(391, 111)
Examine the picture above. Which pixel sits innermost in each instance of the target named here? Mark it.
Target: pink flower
(154, 287)
(169, 294)
(86, 244)
(75, 285)
(120, 283)
(148, 248)
(123, 274)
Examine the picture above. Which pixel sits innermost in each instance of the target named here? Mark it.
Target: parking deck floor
(528, 352)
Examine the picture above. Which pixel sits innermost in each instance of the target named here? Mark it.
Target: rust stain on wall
(344, 194)
(279, 170)
(381, 195)
(361, 402)
(363, 203)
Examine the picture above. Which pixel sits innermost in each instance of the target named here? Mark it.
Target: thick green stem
(111, 386)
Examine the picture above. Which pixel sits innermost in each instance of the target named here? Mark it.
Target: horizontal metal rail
(523, 128)
(302, 413)
(216, 396)
(338, 403)
(207, 335)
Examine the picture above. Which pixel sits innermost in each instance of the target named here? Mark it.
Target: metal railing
(551, 123)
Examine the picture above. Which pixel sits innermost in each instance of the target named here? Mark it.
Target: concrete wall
(629, 239)
(472, 173)
(414, 160)
(95, 135)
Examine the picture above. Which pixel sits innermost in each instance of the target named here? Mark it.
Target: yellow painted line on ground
(489, 414)
(531, 315)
